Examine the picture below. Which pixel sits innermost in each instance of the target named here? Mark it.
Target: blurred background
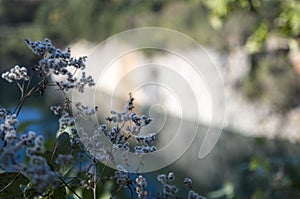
(255, 44)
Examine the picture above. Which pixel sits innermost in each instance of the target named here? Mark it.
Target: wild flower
(41, 174)
(2, 113)
(144, 149)
(66, 120)
(43, 167)
(40, 48)
(17, 73)
(188, 182)
(140, 187)
(84, 110)
(53, 61)
(194, 195)
(170, 191)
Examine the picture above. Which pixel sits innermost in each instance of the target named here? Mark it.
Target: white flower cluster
(85, 110)
(53, 59)
(115, 135)
(85, 80)
(118, 117)
(188, 182)
(37, 147)
(124, 147)
(148, 139)
(57, 109)
(129, 105)
(144, 149)
(27, 140)
(64, 159)
(121, 176)
(73, 82)
(132, 124)
(128, 116)
(58, 62)
(194, 195)
(40, 173)
(40, 48)
(66, 120)
(78, 63)
(8, 127)
(140, 187)
(37, 169)
(2, 113)
(169, 191)
(94, 143)
(61, 109)
(15, 73)
(9, 152)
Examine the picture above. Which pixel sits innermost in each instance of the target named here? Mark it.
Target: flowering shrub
(30, 170)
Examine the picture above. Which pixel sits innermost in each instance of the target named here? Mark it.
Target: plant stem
(95, 180)
(12, 181)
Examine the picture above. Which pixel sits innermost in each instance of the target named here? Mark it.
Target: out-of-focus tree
(271, 38)
(271, 17)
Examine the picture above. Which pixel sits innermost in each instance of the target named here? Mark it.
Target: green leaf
(256, 41)
(63, 144)
(259, 163)
(30, 191)
(10, 184)
(227, 190)
(107, 190)
(48, 156)
(59, 193)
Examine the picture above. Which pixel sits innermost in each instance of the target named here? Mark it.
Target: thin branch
(30, 79)
(95, 180)
(102, 171)
(20, 87)
(23, 85)
(12, 181)
(20, 105)
(119, 189)
(69, 187)
(53, 152)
